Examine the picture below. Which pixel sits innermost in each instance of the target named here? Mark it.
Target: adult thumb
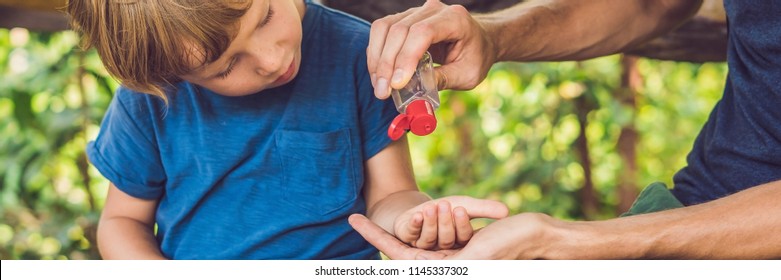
(441, 76)
(456, 76)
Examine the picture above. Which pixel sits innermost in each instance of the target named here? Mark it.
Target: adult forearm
(124, 238)
(740, 226)
(555, 30)
(384, 212)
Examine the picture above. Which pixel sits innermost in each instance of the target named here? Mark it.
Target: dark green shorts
(655, 197)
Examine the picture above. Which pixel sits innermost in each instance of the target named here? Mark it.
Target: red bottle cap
(419, 118)
(398, 127)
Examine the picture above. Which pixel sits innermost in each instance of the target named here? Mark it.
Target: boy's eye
(227, 72)
(268, 17)
(224, 74)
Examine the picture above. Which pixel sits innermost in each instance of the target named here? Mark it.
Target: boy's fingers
(464, 229)
(413, 228)
(384, 241)
(445, 228)
(428, 236)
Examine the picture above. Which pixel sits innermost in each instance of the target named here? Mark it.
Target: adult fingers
(479, 208)
(397, 29)
(446, 24)
(461, 74)
(377, 36)
(441, 76)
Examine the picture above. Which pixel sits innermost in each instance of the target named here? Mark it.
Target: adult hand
(523, 236)
(388, 244)
(454, 38)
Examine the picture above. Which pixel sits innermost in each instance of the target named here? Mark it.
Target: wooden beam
(40, 5)
(37, 20)
(702, 39)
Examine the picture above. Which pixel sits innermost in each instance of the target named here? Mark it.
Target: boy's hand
(444, 223)
(433, 225)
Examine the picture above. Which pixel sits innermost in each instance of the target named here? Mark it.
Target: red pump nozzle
(418, 118)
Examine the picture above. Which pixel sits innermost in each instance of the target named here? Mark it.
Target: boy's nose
(267, 63)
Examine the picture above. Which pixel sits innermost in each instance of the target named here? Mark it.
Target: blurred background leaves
(52, 97)
(576, 140)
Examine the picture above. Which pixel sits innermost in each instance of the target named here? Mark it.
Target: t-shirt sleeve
(375, 114)
(125, 151)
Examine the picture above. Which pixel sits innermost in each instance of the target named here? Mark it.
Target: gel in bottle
(416, 102)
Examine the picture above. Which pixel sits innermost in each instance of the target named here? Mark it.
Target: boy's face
(265, 53)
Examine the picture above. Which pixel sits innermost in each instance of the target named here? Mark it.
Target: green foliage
(52, 97)
(513, 138)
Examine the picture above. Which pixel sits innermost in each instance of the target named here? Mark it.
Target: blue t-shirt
(273, 175)
(740, 145)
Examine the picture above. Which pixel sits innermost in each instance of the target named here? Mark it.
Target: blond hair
(147, 44)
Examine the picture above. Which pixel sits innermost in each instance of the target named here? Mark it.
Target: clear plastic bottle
(416, 102)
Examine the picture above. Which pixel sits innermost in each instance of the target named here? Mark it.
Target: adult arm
(555, 30)
(544, 30)
(739, 226)
(126, 226)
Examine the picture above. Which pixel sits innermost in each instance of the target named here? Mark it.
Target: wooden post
(627, 187)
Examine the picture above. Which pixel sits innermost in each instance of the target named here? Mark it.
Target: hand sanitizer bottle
(416, 102)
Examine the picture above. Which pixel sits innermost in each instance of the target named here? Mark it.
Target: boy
(258, 137)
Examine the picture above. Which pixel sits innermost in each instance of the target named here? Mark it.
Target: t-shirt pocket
(319, 169)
